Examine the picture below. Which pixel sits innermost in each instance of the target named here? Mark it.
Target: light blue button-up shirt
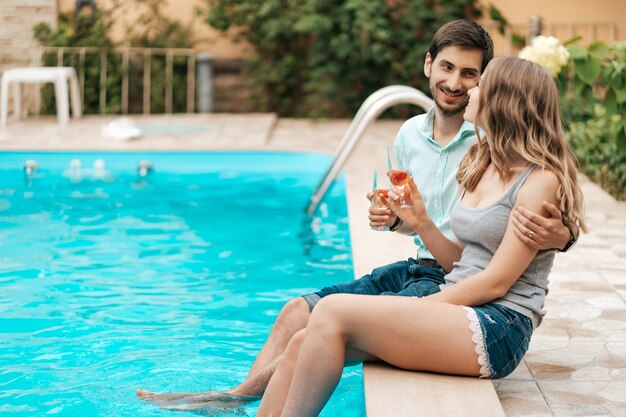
(433, 168)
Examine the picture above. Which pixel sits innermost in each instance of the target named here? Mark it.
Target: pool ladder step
(30, 166)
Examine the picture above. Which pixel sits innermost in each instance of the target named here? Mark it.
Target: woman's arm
(512, 257)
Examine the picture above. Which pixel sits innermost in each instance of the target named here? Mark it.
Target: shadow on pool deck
(576, 365)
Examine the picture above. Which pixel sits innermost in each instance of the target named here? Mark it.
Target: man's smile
(452, 95)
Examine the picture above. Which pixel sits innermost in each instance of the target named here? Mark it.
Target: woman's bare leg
(409, 333)
(278, 388)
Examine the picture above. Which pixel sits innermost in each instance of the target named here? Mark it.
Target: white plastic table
(60, 76)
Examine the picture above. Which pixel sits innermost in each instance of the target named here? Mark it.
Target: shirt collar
(428, 124)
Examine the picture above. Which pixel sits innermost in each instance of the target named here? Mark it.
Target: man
(430, 146)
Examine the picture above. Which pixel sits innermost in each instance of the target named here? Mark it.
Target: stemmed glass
(399, 178)
(376, 200)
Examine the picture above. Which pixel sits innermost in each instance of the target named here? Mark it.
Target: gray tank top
(480, 231)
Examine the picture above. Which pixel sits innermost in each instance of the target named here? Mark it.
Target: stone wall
(17, 19)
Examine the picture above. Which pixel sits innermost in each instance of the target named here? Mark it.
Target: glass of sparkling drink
(400, 178)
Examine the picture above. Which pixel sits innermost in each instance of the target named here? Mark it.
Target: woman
(481, 322)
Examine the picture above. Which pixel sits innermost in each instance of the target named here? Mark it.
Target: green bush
(78, 31)
(324, 57)
(593, 141)
(593, 100)
(596, 75)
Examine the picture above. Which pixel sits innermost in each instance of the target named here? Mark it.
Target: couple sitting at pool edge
(431, 147)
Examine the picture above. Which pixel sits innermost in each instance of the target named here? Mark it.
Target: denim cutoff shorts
(502, 336)
(403, 278)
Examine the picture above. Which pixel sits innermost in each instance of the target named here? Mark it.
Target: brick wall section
(17, 19)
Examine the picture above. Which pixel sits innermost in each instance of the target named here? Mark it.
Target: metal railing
(577, 28)
(78, 58)
(372, 107)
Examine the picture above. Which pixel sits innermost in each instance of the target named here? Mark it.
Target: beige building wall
(17, 19)
(211, 40)
(562, 11)
(603, 20)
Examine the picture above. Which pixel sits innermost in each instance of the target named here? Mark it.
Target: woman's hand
(415, 215)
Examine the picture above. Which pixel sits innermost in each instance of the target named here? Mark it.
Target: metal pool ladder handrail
(371, 108)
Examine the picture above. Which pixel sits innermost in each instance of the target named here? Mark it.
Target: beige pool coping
(576, 365)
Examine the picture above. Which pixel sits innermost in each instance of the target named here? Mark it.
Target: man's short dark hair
(464, 34)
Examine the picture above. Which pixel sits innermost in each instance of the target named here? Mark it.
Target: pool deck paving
(576, 364)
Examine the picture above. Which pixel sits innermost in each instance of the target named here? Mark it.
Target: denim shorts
(501, 335)
(403, 278)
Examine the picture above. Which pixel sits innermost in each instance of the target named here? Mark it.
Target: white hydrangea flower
(548, 52)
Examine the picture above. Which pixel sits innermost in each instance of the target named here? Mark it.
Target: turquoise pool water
(111, 281)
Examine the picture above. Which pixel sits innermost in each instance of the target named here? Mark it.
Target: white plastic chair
(60, 76)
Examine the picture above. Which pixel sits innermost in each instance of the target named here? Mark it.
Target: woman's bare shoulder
(541, 185)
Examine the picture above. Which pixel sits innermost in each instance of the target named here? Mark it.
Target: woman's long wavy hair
(520, 115)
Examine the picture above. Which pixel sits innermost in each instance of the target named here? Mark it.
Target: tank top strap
(519, 182)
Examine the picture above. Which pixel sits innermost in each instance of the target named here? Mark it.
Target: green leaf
(621, 140)
(571, 41)
(587, 69)
(620, 94)
(619, 44)
(578, 52)
(599, 50)
(496, 15)
(618, 67)
(610, 101)
(518, 40)
(580, 88)
(612, 73)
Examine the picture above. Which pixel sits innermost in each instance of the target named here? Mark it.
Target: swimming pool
(110, 280)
